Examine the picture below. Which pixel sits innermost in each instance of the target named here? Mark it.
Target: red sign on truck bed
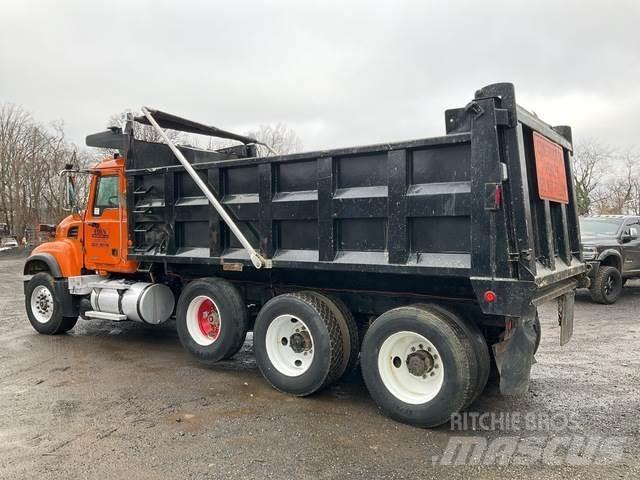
(552, 176)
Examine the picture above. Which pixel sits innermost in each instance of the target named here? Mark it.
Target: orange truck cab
(92, 240)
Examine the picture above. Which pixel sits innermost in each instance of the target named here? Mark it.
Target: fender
(611, 252)
(63, 258)
(35, 263)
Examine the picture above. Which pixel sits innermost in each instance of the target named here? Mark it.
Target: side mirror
(69, 191)
(628, 235)
(46, 228)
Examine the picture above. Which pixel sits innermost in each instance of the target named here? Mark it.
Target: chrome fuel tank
(144, 302)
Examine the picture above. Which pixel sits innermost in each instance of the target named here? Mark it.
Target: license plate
(565, 316)
(550, 170)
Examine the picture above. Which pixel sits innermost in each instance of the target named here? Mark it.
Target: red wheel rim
(209, 319)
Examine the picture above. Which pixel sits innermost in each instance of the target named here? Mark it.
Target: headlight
(589, 253)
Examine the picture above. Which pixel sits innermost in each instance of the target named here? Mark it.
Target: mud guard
(515, 355)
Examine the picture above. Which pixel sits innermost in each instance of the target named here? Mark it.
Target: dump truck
(421, 261)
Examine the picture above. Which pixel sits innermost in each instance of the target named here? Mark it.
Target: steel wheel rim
(410, 367)
(42, 304)
(204, 321)
(289, 345)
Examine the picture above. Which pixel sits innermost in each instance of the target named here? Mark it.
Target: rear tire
(43, 308)
(417, 365)
(211, 319)
(298, 343)
(350, 337)
(606, 286)
(478, 344)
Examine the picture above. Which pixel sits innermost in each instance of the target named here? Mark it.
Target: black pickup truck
(611, 245)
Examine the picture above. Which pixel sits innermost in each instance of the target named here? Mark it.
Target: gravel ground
(118, 400)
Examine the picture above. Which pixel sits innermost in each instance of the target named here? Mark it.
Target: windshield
(600, 226)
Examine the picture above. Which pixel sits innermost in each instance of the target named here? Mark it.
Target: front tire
(417, 365)
(43, 308)
(606, 286)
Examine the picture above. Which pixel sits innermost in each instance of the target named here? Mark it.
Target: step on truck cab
(425, 259)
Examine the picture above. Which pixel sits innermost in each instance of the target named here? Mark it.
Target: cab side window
(106, 194)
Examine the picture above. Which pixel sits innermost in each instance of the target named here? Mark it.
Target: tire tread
(335, 345)
(475, 342)
(597, 295)
(58, 324)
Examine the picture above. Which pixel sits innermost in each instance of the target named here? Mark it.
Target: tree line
(31, 156)
(607, 180)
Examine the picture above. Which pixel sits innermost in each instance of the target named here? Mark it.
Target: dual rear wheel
(420, 363)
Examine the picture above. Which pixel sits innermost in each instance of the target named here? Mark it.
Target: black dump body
(417, 218)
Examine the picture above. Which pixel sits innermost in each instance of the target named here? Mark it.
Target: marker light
(490, 296)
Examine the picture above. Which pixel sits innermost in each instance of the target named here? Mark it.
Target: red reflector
(498, 197)
(490, 296)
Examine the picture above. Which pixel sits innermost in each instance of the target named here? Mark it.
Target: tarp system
(173, 122)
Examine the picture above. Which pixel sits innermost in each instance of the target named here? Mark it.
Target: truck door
(631, 247)
(103, 223)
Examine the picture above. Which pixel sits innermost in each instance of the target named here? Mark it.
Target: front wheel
(417, 365)
(606, 287)
(43, 308)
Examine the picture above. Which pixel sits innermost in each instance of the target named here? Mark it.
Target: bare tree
(619, 193)
(280, 137)
(590, 161)
(31, 157)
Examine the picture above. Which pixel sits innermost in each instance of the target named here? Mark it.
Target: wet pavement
(121, 400)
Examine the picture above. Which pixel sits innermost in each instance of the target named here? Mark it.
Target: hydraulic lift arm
(258, 260)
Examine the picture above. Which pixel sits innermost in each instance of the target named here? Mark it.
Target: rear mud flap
(514, 356)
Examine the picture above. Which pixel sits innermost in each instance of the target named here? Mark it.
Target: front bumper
(594, 265)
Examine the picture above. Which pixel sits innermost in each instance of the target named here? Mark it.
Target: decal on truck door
(99, 237)
(550, 170)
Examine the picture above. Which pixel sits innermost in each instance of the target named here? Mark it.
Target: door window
(106, 194)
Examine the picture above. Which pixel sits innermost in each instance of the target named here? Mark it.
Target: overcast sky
(340, 73)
